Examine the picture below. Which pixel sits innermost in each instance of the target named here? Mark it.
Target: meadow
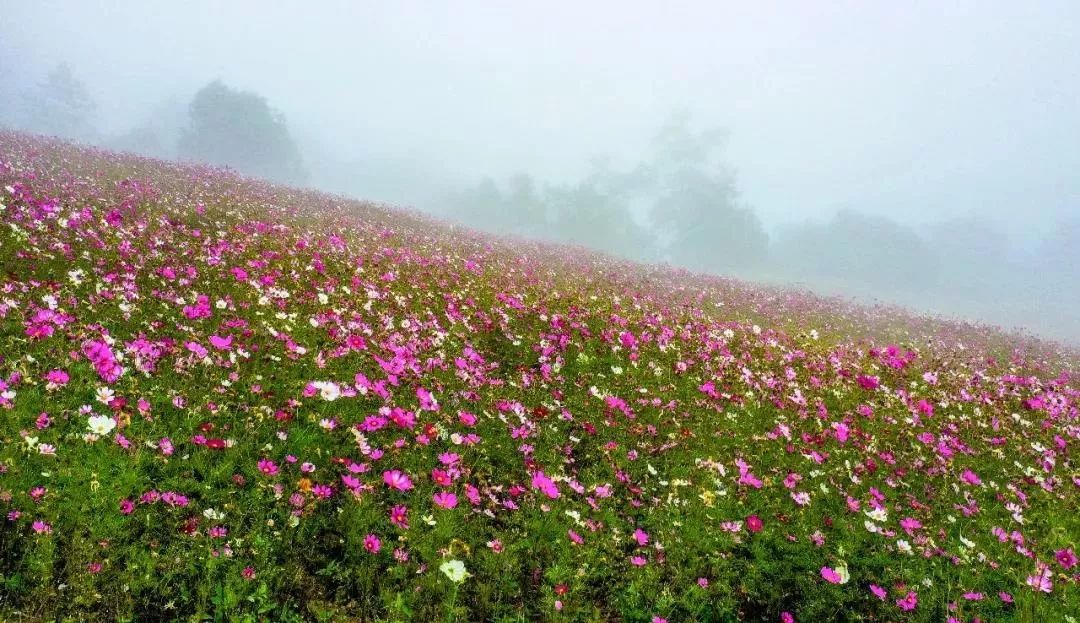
(225, 400)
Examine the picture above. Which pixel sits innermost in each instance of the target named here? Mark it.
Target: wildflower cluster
(220, 397)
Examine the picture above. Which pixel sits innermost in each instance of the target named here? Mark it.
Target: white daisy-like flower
(101, 424)
(455, 570)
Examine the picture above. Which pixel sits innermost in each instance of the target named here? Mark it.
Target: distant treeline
(223, 126)
(680, 204)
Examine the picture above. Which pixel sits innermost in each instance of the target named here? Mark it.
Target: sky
(912, 109)
(919, 111)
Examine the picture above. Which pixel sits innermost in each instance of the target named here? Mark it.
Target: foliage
(61, 105)
(226, 400)
(239, 129)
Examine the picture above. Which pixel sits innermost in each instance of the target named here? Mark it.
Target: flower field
(223, 400)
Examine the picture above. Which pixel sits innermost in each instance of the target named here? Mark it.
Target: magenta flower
(221, 343)
(1041, 581)
(1066, 558)
(396, 479)
(444, 499)
(546, 485)
(399, 516)
(908, 602)
(830, 575)
(57, 377)
(268, 467)
(372, 544)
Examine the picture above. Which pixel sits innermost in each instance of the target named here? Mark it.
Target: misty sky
(915, 110)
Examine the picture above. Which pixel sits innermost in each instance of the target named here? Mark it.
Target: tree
(591, 215)
(696, 206)
(62, 106)
(239, 129)
(858, 253)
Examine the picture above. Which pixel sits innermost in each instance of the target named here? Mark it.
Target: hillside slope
(226, 400)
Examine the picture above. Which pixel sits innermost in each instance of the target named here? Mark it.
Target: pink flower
(754, 523)
(971, 478)
(268, 467)
(910, 525)
(395, 479)
(1066, 558)
(221, 343)
(372, 543)
(787, 617)
(830, 575)
(908, 602)
(441, 478)
(641, 537)
(444, 499)
(878, 592)
(868, 382)
(1041, 581)
(545, 485)
(399, 517)
(57, 377)
(41, 527)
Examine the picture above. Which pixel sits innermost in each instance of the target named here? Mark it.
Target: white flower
(213, 514)
(903, 546)
(878, 514)
(455, 570)
(842, 571)
(105, 395)
(101, 424)
(328, 391)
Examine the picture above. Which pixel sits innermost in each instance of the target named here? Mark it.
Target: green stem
(453, 600)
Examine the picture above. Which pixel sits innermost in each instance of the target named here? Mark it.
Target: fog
(911, 152)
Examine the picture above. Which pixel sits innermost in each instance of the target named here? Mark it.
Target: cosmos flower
(101, 425)
(396, 479)
(444, 499)
(454, 570)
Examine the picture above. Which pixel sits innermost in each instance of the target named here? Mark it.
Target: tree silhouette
(239, 129)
